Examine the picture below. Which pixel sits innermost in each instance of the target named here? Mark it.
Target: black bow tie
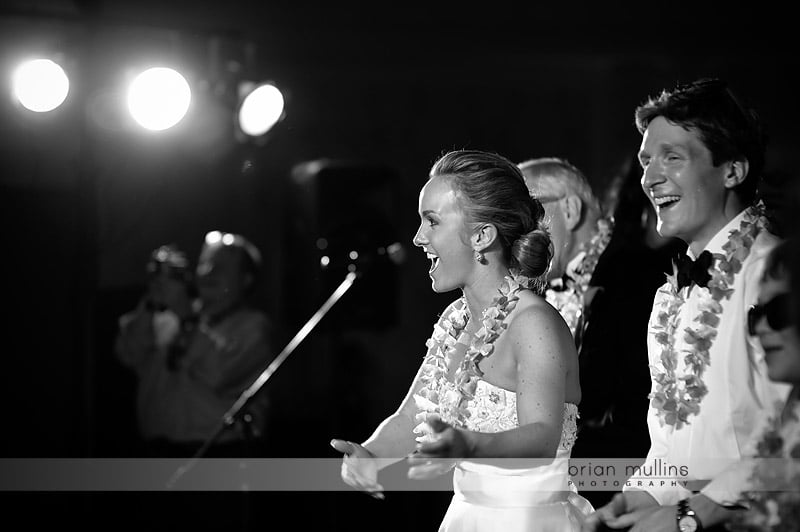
(694, 271)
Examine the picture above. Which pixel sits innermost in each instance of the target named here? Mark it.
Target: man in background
(603, 278)
(194, 356)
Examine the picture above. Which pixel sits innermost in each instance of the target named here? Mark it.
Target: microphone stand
(231, 415)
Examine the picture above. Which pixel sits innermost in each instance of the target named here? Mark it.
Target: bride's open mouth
(434, 262)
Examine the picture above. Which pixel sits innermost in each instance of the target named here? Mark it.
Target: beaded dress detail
(494, 409)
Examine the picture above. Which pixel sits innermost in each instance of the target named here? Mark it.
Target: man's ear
(737, 173)
(573, 206)
(483, 237)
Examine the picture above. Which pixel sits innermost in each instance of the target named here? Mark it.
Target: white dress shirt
(739, 391)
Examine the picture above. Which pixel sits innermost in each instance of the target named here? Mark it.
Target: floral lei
(570, 301)
(448, 399)
(675, 403)
(774, 501)
(594, 248)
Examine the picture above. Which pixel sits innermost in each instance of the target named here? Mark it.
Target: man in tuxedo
(702, 154)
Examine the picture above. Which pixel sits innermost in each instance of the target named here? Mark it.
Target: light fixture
(158, 98)
(262, 106)
(40, 85)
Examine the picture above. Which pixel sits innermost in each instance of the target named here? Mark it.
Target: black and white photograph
(357, 266)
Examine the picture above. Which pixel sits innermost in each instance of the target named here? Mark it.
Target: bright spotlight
(158, 98)
(40, 85)
(261, 109)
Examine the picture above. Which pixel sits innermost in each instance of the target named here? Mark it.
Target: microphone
(394, 253)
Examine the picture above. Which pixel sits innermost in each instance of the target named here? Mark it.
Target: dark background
(379, 89)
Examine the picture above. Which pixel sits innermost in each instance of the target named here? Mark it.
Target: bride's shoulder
(533, 312)
(530, 302)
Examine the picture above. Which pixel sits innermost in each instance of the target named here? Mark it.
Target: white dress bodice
(494, 409)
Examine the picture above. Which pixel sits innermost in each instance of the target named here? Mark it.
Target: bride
(500, 377)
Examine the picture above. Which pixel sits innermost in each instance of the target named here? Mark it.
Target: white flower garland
(441, 396)
(675, 399)
(774, 499)
(569, 302)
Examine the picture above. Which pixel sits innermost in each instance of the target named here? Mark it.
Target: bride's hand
(359, 467)
(448, 446)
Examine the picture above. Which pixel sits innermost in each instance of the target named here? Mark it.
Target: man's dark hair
(728, 128)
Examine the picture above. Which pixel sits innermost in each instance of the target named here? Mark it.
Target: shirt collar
(721, 238)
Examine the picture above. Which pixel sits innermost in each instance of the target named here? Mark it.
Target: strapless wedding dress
(489, 498)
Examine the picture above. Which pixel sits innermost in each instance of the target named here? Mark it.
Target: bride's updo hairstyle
(491, 189)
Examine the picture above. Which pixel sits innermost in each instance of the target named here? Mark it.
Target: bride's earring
(480, 257)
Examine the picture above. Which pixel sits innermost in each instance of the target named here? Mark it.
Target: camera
(166, 262)
(170, 261)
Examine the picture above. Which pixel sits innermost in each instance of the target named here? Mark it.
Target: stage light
(40, 85)
(262, 107)
(159, 98)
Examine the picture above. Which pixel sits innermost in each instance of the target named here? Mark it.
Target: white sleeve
(662, 490)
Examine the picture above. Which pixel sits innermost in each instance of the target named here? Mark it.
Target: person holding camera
(196, 344)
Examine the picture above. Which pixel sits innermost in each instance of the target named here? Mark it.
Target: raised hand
(447, 446)
(359, 467)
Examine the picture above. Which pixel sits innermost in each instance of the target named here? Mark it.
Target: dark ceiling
(538, 25)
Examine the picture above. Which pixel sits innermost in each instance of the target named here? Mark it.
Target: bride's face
(442, 234)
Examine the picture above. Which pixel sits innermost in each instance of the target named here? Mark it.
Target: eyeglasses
(776, 310)
(168, 260)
